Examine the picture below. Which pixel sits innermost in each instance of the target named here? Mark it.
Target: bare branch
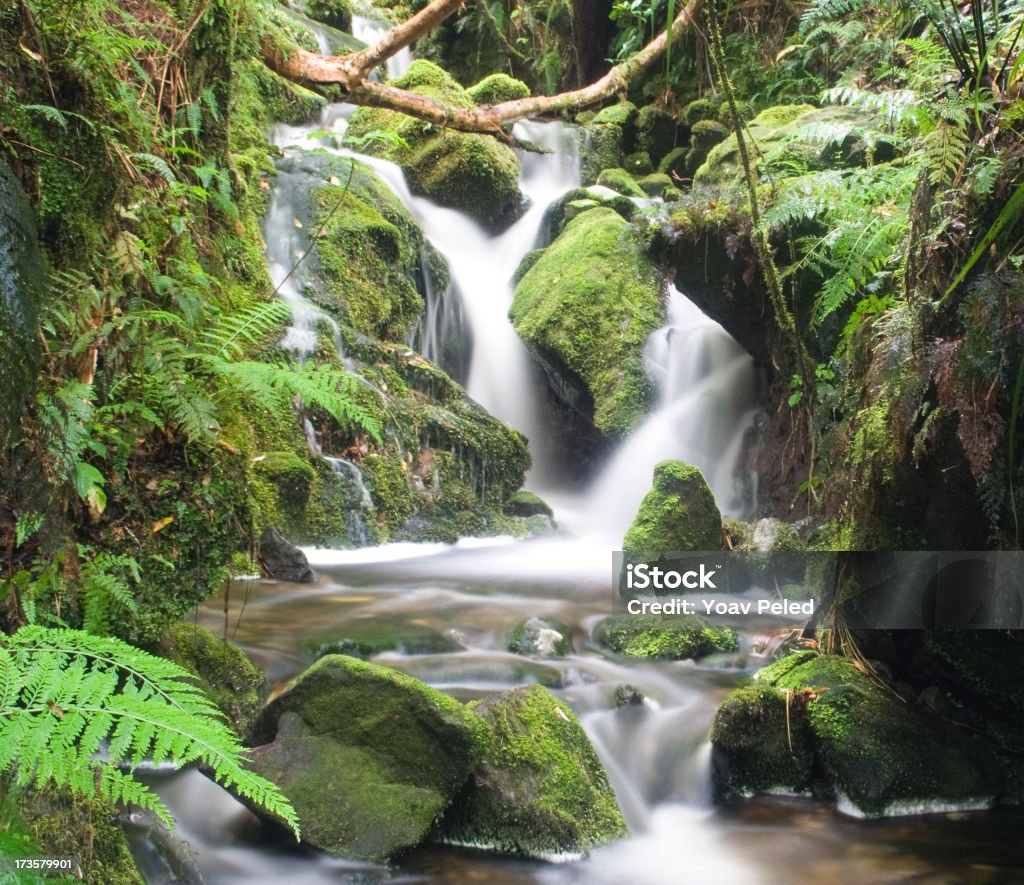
(351, 72)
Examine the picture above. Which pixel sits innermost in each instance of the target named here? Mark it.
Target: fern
(158, 164)
(233, 333)
(65, 695)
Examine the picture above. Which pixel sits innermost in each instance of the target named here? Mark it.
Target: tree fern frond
(232, 333)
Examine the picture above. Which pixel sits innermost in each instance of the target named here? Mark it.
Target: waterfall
(704, 415)
(370, 31)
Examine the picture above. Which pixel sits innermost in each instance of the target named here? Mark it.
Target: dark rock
(541, 637)
(282, 560)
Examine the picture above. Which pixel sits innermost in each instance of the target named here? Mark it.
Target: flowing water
(475, 592)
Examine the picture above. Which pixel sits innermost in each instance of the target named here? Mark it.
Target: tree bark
(351, 72)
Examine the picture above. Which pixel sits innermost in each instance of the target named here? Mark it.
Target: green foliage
(65, 694)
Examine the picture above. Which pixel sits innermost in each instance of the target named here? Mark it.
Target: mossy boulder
(369, 757)
(621, 114)
(288, 479)
(585, 309)
(656, 131)
(606, 139)
(638, 163)
(365, 638)
(876, 753)
(759, 744)
(540, 790)
(657, 184)
(498, 88)
(672, 637)
(232, 681)
(678, 513)
(541, 637)
(621, 181)
(703, 137)
(369, 250)
(567, 207)
(789, 137)
(700, 109)
(476, 174)
(524, 504)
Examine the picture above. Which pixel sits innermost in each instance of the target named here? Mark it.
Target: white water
(370, 31)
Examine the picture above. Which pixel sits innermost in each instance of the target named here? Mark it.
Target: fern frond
(66, 692)
(232, 333)
(158, 164)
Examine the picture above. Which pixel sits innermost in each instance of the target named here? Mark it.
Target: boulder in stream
(672, 637)
(540, 790)
(678, 513)
(541, 637)
(280, 559)
(818, 722)
(224, 672)
(369, 757)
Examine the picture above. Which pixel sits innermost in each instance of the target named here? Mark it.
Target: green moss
(364, 638)
(621, 181)
(369, 251)
(290, 478)
(368, 756)
(498, 88)
(336, 13)
(700, 109)
(622, 114)
(473, 173)
(877, 750)
(760, 744)
(638, 163)
(673, 637)
(655, 131)
(678, 513)
(656, 184)
(601, 146)
(56, 823)
(224, 672)
(540, 790)
(586, 308)
(527, 504)
(703, 137)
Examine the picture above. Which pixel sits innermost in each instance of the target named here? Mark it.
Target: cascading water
(706, 407)
(656, 752)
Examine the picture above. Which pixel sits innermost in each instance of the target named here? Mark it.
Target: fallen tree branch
(351, 72)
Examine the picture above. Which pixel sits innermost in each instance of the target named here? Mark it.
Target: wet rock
(849, 737)
(585, 309)
(224, 672)
(540, 790)
(704, 135)
(656, 184)
(527, 504)
(628, 696)
(678, 513)
(620, 181)
(369, 757)
(282, 560)
(656, 131)
(672, 637)
(366, 638)
(541, 637)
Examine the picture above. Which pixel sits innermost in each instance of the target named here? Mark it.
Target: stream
(657, 753)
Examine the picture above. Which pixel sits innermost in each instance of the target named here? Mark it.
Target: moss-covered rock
(760, 743)
(673, 637)
(232, 681)
(585, 310)
(365, 638)
(498, 88)
(369, 251)
(678, 513)
(336, 13)
(638, 163)
(569, 206)
(621, 181)
(703, 137)
(871, 749)
(542, 637)
(700, 109)
(524, 504)
(289, 479)
(788, 136)
(540, 790)
(657, 184)
(369, 757)
(473, 173)
(656, 131)
(621, 114)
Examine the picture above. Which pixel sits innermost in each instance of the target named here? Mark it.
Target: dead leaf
(161, 524)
